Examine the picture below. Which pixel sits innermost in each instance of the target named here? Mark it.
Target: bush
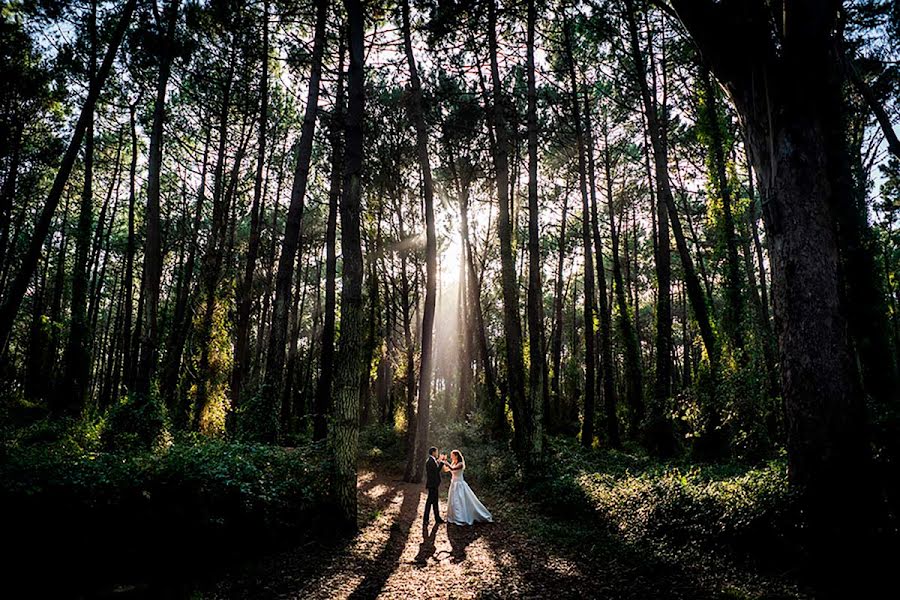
(669, 506)
(136, 423)
(95, 517)
(382, 443)
(257, 417)
(733, 507)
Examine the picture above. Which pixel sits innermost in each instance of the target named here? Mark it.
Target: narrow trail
(394, 557)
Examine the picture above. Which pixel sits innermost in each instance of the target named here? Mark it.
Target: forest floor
(524, 554)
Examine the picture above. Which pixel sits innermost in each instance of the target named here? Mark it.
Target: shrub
(136, 423)
(257, 418)
(750, 510)
(92, 517)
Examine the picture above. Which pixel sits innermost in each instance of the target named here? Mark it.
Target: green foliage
(747, 509)
(226, 479)
(146, 513)
(256, 418)
(384, 445)
(61, 435)
(670, 506)
(136, 423)
(728, 412)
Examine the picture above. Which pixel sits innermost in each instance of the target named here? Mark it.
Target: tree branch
(875, 106)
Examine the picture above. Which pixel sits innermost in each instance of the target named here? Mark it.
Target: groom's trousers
(432, 501)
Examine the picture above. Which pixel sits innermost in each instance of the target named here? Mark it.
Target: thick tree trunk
(791, 98)
(344, 430)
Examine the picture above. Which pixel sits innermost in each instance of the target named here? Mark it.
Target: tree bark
(791, 98)
(556, 340)
(78, 356)
(344, 429)
(634, 386)
(181, 318)
(153, 248)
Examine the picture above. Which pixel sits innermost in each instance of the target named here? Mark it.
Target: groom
(432, 483)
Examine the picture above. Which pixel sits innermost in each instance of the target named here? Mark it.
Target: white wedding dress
(463, 506)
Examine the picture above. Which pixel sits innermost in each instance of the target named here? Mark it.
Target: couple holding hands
(463, 506)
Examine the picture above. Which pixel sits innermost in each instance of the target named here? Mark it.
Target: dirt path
(394, 557)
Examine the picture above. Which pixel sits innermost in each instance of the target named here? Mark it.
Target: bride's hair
(459, 456)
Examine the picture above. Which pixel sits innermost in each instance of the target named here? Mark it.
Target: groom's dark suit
(432, 483)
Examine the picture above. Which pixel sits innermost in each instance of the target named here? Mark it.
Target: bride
(463, 506)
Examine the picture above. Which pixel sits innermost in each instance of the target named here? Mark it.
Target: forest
(637, 259)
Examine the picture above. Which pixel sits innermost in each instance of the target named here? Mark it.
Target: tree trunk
(791, 99)
(246, 288)
(153, 248)
(417, 115)
(344, 430)
(587, 428)
(734, 285)
(128, 325)
(102, 241)
(78, 356)
(512, 325)
(553, 415)
(634, 386)
(19, 286)
(214, 255)
(326, 360)
(607, 366)
(409, 345)
(278, 334)
(655, 130)
(534, 409)
(181, 318)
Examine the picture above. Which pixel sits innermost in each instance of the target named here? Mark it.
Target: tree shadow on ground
(311, 560)
(384, 563)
